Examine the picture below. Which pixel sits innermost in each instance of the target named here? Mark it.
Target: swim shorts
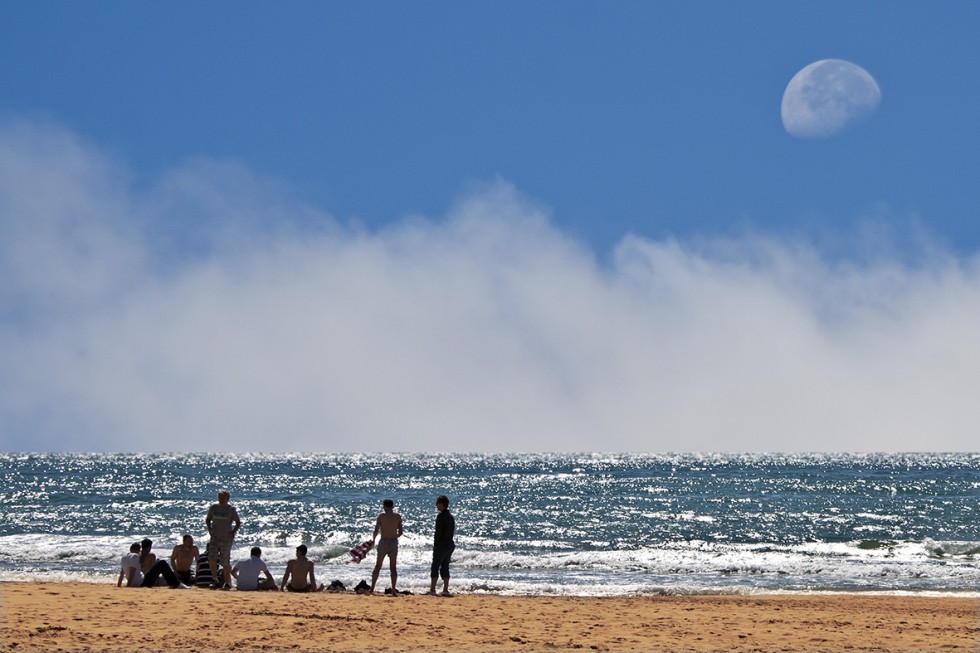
(387, 546)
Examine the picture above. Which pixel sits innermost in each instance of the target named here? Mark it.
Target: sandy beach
(88, 617)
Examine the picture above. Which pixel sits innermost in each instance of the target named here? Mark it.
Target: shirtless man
(389, 525)
(300, 569)
(182, 558)
(147, 557)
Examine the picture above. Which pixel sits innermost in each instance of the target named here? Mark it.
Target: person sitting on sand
(202, 578)
(182, 558)
(300, 569)
(389, 525)
(246, 573)
(130, 570)
(147, 557)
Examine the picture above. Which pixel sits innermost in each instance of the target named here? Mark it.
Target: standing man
(182, 559)
(223, 523)
(443, 545)
(389, 525)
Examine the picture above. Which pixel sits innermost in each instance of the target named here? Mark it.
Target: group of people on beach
(141, 567)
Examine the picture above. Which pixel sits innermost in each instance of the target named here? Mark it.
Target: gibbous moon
(827, 96)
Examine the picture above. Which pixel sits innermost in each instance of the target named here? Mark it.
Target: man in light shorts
(389, 526)
(223, 523)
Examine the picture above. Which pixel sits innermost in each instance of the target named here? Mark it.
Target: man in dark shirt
(443, 545)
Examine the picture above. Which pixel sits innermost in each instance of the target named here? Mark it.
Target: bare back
(299, 572)
(389, 525)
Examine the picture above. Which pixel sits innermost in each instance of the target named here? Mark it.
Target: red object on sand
(359, 552)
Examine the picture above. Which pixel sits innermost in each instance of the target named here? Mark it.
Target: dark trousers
(161, 568)
(441, 555)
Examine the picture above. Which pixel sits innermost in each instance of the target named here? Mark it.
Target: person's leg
(436, 564)
(213, 561)
(444, 568)
(168, 573)
(151, 576)
(224, 557)
(377, 569)
(161, 568)
(392, 562)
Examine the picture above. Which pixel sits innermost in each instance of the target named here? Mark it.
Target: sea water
(572, 524)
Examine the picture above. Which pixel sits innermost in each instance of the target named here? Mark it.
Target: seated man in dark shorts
(300, 569)
(182, 558)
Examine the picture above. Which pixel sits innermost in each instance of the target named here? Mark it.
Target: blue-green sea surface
(579, 524)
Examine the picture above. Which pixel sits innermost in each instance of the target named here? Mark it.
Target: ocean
(562, 524)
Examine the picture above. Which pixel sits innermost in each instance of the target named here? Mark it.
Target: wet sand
(81, 617)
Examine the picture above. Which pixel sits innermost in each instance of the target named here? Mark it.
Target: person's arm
(173, 558)
(285, 577)
(268, 574)
(312, 579)
(208, 520)
(127, 572)
(401, 528)
(234, 571)
(377, 528)
(236, 520)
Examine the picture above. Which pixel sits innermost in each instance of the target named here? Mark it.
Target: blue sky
(564, 225)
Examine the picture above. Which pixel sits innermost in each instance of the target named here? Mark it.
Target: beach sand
(81, 617)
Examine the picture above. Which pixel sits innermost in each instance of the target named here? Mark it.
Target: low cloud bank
(209, 310)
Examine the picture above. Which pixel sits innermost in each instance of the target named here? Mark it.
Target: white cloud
(277, 328)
